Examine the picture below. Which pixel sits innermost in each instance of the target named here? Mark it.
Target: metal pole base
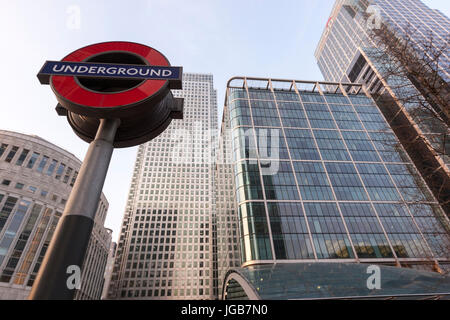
(61, 275)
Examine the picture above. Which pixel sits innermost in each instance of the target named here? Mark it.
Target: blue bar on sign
(108, 70)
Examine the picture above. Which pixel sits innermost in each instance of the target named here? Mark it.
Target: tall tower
(347, 31)
(165, 246)
(348, 51)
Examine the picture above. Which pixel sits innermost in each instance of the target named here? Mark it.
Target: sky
(224, 38)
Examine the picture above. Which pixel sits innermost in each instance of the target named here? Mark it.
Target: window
(51, 167)
(13, 227)
(3, 148)
(345, 181)
(42, 164)
(22, 157)
(331, 145)
(6, 210)
(19, 186)
(357, 68)
(11, 154)
(44, 193)
(32, 189)
(301, 144)
(313, 181)
(60, 171)
(32, 160)
(67, 175)
(6, 182)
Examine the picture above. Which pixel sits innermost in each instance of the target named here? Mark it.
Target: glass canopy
(333, 281)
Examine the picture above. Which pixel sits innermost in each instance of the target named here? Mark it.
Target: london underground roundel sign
(124, 80)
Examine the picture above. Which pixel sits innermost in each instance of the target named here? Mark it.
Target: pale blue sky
(225, 38)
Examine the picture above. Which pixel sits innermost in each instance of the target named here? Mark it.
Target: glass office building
(165, 245)
(347, 52)
(320, 177)
(348, 28)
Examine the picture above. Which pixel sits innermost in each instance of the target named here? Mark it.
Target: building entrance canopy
(319, 280)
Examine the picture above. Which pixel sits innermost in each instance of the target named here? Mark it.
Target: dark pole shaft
(58, 278)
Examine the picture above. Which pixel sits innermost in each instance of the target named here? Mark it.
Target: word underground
(64, 68)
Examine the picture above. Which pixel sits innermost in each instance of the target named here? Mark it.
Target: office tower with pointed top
(165, 246)
(400, 51)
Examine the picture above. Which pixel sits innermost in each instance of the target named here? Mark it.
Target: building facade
(165, 248)
(36, 178)
(347, 52)
(319, 177)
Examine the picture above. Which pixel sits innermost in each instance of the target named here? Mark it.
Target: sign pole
(60, 273)
(118, 83)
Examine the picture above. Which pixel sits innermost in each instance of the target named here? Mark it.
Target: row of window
(265, 94)
(307, 144)
(165, 293)
(347, 182)
(295, 116)
(34, 161)
(32, 189)
(290, 230)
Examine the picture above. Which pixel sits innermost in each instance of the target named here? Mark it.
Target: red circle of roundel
(67, 87)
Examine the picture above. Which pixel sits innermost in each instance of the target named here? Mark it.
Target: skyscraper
(347, 31)
(348, 50)
(165, 245)
(318, 177)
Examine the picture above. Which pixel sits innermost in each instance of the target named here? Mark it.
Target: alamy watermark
(73, 21)
(372, 13)
(374, 20)
(374, 280)
(74, 279)
(199, 146)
